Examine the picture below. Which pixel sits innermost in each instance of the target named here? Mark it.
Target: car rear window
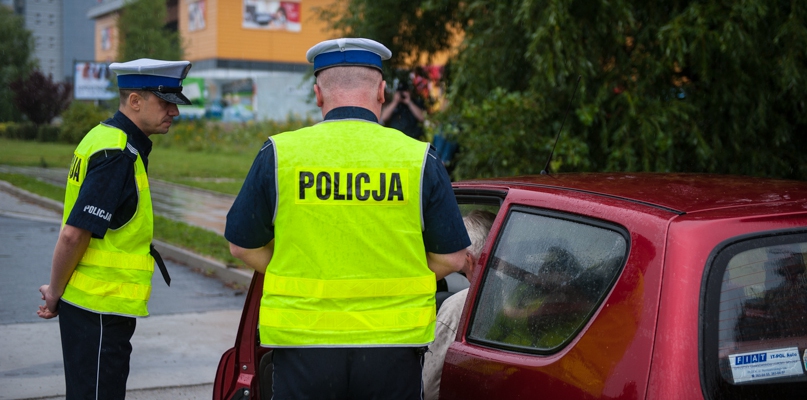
(761, 318)
(546, 276)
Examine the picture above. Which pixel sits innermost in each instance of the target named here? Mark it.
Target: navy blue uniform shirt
(249, 221)
(110, 183)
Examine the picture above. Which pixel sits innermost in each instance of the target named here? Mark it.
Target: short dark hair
(124, 94)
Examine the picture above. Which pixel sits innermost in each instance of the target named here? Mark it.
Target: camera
(402, 87)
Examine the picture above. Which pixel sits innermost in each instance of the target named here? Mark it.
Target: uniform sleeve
(102, 192)
(444, 232)
(249, 221)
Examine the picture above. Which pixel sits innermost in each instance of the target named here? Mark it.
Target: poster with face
(272, 15)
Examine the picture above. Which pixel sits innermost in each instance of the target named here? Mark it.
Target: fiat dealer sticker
(766, 364)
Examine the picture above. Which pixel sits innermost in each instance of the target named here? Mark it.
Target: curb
(206, 266)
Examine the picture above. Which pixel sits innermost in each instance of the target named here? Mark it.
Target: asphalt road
(176, 349)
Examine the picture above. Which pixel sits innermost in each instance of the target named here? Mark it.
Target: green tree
(143, 34)
(676, 85)
(16, 46)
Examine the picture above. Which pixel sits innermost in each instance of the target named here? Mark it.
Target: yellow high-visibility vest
(114, 275)
(349, 265)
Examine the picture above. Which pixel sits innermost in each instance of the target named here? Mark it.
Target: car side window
(546, 276)
(762, 315)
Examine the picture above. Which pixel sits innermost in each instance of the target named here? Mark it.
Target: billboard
(272, 15)
(91, 81)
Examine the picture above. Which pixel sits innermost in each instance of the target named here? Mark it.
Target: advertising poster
(196, 15)
(91, 81)
(272, 15)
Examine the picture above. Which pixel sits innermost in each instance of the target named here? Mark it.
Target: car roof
(682, 193)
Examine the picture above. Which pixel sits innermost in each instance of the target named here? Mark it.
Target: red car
(617, 286)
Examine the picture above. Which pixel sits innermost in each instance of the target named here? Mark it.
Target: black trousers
(96, 350)
(348, 373)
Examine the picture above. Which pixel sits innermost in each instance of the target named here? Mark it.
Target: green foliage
(16, 47)
(78, 119)
(407, 29)
(142, 31)
(689, 86)
(31, 131)
(510, 138)
(211, 136)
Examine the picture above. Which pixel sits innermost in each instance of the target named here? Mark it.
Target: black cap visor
(176, 98)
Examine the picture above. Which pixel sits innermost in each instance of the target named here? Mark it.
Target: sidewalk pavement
(175, 351)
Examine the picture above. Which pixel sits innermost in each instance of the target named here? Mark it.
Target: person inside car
(478, 223)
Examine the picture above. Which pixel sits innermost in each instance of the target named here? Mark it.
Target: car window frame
(713, 386)
(550, 213)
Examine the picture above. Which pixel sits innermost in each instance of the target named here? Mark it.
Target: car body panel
(644, 339)
(591, 365)
(693, 239)
(683, 192)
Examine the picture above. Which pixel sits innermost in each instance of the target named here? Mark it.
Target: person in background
(478, 223)
(351, 224)
(103, 261)
(405, 112)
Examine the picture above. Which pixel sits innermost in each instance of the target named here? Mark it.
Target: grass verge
(198, 240)
(223, 171)
(34, 185)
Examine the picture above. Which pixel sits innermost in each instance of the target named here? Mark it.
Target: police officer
(103, 260)
(352, 223)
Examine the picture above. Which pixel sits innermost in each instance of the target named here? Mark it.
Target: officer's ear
(318, 94)
(382, 92)
(135, 100)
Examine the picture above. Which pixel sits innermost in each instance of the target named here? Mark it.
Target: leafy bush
(502, 135)
(21, 131)
(31, 132)
(79, 118)
(48, 133)
(210, 136)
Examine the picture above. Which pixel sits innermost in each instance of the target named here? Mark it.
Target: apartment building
(248, 55)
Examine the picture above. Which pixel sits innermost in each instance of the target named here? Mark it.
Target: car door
(565, 303)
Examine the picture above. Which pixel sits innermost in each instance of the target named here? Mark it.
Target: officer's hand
(51, 307)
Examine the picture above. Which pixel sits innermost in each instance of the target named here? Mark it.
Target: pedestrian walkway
(193, 206)
(175, 351)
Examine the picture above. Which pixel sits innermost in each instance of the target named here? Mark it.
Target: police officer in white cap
(352, 224)
(103, 260)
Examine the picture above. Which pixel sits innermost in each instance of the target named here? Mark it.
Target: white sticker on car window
(766, 364)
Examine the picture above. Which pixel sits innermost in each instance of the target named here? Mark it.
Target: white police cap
(163, 78)
(347, 52)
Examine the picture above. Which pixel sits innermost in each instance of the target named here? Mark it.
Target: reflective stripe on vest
(114, 274)
(348, 288)
(349, 265)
